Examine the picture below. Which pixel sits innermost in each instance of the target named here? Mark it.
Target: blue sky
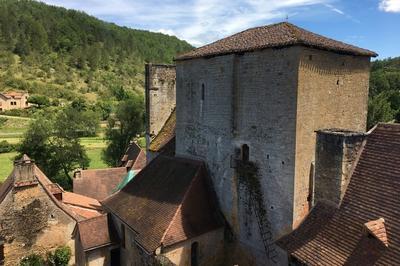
(371, 24)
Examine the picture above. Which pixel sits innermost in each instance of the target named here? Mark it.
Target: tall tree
(52, 140)
(125, 125)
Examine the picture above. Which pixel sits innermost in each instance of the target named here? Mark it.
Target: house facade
(37, 216)
(13, 100)
(249, 105)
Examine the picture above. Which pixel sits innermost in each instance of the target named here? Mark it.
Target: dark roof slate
(372, 194)
(167, 202)
(273, 36)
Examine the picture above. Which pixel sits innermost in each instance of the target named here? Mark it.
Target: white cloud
(390, 5)
(197, 21)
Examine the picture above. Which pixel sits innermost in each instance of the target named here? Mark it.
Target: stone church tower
(249, 106)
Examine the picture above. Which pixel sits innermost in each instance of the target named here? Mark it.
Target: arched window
(194, 254)
(245, 153)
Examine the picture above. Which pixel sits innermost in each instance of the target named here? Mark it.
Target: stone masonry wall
(332, 93)
(336, 152)
(248, 99)
(31, 222)
(160, 96)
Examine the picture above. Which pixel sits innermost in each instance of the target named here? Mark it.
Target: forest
(63, 54)
(384, 92)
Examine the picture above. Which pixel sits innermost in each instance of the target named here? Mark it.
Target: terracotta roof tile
(94, 232)
(165, 135)
(373, 193)
(98, 183)
(273, 36)
(167, 202)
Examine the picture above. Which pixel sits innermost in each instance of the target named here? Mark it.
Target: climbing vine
(249, 178)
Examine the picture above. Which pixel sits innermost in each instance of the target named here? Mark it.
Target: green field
(13, 131)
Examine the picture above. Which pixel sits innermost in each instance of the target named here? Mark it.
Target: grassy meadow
(12, 131)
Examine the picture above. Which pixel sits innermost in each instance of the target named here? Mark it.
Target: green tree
(125, 125)
(40, 100)
(51, 140)
(379, 110)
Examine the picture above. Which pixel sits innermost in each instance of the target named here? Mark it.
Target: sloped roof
(165, 135)
(133, 157)
(94, 232)
(98, 183)
(273, 36)
(372, 194)
(12, 94)
(75, 206)
(167, 202)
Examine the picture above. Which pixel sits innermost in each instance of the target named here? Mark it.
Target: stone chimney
(24, 174)
(336, 152)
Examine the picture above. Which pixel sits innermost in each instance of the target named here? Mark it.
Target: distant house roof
(95, 233)
(167, 202)
(13, 95)
(98, 183)
(165, 139)
(365, 229)
(273, 36)
(134, 157)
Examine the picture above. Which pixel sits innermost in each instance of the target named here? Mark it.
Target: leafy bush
(6, 147)
(60, 257)
(32, 260)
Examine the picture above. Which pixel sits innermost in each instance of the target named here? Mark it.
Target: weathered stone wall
(160, 96)
(248, 99)
(210, 250)
(335, 154)
(32, 223)
(332, 93)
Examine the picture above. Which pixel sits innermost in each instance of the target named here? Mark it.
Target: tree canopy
(384, 94)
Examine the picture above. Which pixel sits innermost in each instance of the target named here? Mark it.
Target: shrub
(6, 147)
(3, 120)
(60, 257)
(32, 260)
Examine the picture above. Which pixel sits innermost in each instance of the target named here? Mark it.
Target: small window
(194, 254)
(245, 153)
(203, 92)
(123, 235)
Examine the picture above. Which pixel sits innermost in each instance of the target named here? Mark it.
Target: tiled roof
(98, 183)
(372, 194)
(273, 36)
(15, 95)
(76, 206)
(94, 232)
(134, 157)
(165, 135)
(167, 202)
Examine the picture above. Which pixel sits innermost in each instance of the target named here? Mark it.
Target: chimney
(336, 152)
(24, 174)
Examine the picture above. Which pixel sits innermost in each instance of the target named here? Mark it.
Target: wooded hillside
(64, 53)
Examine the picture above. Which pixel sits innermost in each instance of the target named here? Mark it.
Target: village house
(37, 216)
(168, 214)
(13, 100)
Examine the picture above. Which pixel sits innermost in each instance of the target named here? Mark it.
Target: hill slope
(64, 53)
